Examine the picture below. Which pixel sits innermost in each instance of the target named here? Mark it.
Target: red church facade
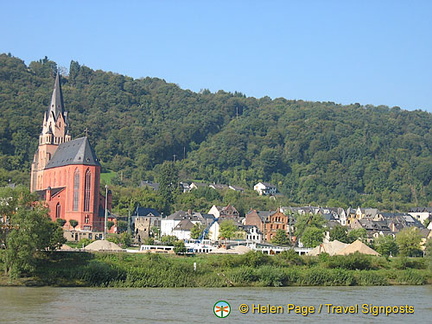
(66, 172)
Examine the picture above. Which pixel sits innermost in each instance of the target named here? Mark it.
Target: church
(65, 172)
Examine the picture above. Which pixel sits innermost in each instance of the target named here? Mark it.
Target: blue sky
(372, 52)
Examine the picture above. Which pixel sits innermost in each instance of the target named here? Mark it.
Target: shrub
(255, 259)
(101, 274)
(403, 263)
(411, 277)
(61, 222)
(315, 277)
(354, 261)
(242, 275)
(291, 276)
(290, 257)
(270, 276)
(371, 278)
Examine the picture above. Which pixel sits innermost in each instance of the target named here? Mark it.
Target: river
(198, 305)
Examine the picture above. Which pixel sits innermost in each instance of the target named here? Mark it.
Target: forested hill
(314, 152)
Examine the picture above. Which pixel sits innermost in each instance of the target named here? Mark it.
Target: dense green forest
(315, 152)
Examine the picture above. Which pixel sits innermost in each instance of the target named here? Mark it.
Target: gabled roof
(180, 214)
(145, 211)
(420, 210)
(149, 184)
(77, 151)
(184, 225)
(54, 191)
(218, 186)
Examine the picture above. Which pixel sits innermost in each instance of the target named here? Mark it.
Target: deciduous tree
(408, 241)
(280, 238)
(312, 236)
(386, 245)
(227, 229)
(29, 230)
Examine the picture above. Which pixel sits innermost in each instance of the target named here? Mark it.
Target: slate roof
(145, 211)
(184, 225)
(57, 105)
(54, 191)
(77, 151)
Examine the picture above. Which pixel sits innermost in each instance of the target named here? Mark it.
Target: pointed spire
(55, 123)
(57, 106)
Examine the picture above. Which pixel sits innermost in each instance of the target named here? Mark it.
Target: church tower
(66, 173)
(55, 130)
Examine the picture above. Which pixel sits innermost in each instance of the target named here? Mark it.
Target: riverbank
(81, 269)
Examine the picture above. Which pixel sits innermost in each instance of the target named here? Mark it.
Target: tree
(30, 230)
(122, 226)
(227, 229)
(179, 247)
(312, 236)
(304, 221)
(386, 245)
(357, 234)
(196, 230)
(280, 238)
(168, 181)
(408, 241)
(109, 224)
(61, 222)
(168, 239)
(73, 223)
(123, 239)
(339, 233)
(155, 231)
(428, 254)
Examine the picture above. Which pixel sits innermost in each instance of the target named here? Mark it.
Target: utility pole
(290, 215)
(106, 212)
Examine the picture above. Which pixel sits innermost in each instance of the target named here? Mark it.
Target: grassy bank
(252, 269)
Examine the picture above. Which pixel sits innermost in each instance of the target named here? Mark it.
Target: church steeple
(57, 106)
(55, 131)
(55, 127)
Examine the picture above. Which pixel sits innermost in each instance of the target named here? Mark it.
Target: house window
(76, 190)
(58, 210)
(87, 190)
(87, 219)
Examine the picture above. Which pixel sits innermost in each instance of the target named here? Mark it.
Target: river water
(197, 305)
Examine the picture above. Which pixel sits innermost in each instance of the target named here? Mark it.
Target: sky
(376, 52)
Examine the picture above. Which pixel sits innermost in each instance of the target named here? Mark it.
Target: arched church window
(76, 190)
(87, 190)
(58, 210)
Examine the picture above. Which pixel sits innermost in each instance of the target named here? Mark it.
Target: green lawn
(107, 177)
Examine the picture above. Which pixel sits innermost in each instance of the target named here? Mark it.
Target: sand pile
(357, 246)
(331, 248)
(103, 245)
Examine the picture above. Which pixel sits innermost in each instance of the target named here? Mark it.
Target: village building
(65, 173)
(253, 234)
(421, 213)
(265, 189)
(276, 221)
(175, 224)
(227, 212)
(257, 218)
(146, 222)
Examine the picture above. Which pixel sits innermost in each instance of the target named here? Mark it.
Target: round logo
(221, 309)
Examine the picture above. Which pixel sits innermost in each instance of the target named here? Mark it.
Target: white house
(183, 229)
(265, 189)
(214, 231)
(421, 214)
(253, 234)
